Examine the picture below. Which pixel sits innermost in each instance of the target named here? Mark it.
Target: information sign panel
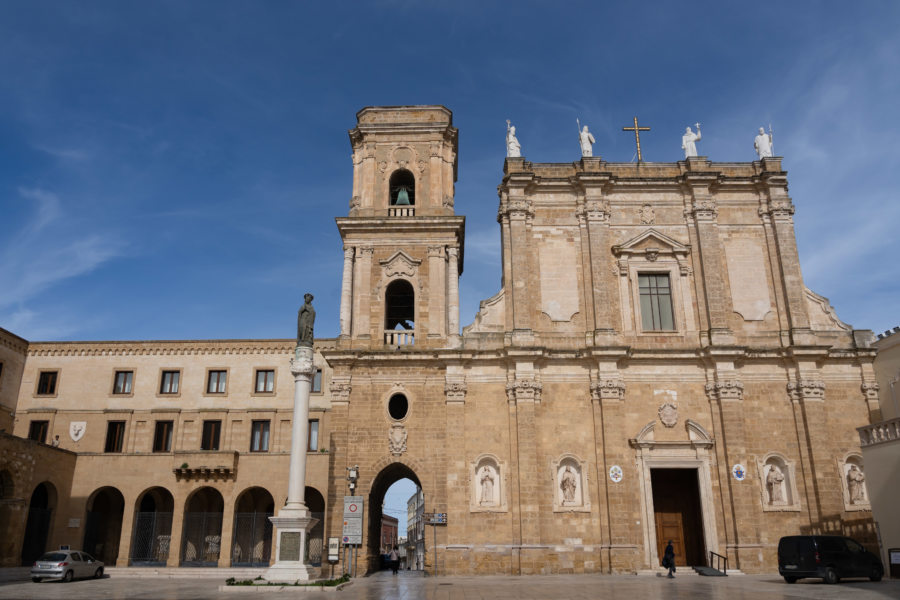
(353, 506)
(334, 549)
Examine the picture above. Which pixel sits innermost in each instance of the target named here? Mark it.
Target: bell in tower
(402, 197)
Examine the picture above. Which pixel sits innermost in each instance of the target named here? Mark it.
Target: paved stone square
(409, 586)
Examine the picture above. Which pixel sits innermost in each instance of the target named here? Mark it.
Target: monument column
(293, 522)
(347, 291)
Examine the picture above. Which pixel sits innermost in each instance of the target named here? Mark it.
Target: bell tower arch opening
(402, 187)
(389, 499)
(400, 306)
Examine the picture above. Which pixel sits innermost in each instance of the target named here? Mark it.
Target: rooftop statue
(763, 144)
(689, 141)
(585, 139)
(306, 317)
(513, 148)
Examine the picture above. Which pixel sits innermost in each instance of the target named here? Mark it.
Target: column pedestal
(293, 522)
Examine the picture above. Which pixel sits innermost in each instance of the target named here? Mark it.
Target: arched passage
(103, 524)
(37, 526)
(391, 474)
(316, 539)
(202, 539)
(152, 528)
(252, 539)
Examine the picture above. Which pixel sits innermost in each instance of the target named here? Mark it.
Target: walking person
(668, 560)
(394, 557)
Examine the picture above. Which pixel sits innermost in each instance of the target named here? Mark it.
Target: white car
(66, 565)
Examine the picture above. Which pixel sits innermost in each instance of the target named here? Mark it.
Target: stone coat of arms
(668, 414)
(76, 430)
(397, 439)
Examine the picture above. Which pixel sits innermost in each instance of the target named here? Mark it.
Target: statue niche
(570, 485)
(853, 480)
(487, 485)
(778, 484)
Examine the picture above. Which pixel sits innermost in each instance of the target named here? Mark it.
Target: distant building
(389, 533)
(415, 531)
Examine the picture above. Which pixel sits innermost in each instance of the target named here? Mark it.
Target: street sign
(334, 549)
(436, 518)
(353, 506)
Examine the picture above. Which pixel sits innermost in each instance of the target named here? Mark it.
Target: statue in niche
(689, 141)
(775, 485)
(762, 143)
(568, 484)
(486, 480)
(513, 148)
(306, 317)
(856, 484)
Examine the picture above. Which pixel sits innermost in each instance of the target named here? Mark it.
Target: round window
(398, 406)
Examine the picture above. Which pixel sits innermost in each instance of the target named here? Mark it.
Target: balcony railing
(402, 211)
(879, 433)
(400, 337)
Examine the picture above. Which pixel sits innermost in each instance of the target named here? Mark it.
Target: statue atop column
(585, 139)
(762, 143)
(306, 317)
(513, 148)
(689, 141)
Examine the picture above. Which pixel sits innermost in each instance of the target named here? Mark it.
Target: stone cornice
(170, 347)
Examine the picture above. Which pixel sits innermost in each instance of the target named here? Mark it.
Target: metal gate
(315, 541)
(252, 546)
(152, 537)
(37, 528)
(202, 539)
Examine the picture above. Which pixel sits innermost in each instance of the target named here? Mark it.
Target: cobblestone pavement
(413, 586)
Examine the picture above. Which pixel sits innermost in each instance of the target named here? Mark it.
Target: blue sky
(171, 170)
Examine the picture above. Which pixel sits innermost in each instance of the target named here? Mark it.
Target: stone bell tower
(403, 244)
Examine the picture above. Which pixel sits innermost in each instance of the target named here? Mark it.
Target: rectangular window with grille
(123, 381)
(216, 382)
(259, 436)
(265, 381)
(211, 432)
(656, 302)
(169, 382)
(115, 436)
(162, 436)
(313, 445)
(37, 431)
(47, 383)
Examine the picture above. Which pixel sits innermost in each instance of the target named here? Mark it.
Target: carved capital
(595, 211)
(435, 251)
(349, 252)
(728, 389)
(448, 202)
(523, 389)
(870, 390)
(705, 209)
(781, 209)
(366, 251)
(455, 391)
(609, 388)
(340, 391)
(302, 364)
(452, 252)
(807, 389)
(516, 208)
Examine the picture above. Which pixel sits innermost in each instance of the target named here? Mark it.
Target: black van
(827, 556)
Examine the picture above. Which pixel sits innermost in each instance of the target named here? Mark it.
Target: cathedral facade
(652, 368)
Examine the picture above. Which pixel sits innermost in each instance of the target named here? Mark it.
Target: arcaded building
(652, 367)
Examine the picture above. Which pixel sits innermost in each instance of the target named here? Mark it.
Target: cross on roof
(637, 137)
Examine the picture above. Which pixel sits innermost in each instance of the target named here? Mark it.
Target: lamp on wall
(352, 476)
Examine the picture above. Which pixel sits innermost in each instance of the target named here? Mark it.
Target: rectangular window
(162, 436)
(656, 302)
(115, 436)
(265, 381)
(122, 383)
(211, 431)
(259, 436)
(37, 431)
(216, 382)
(317, 381)
(313, 445)
(169, 382)
(47, 383)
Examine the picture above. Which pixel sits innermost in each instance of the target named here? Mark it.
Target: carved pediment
(650, 244)
(400, 263)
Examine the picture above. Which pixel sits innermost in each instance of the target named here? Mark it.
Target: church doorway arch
(103, 524)
(388, 476)
(152, 528)
(252, 543)
(37, 525)
(202, 537)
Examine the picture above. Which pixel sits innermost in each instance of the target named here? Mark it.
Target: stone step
(186, 572)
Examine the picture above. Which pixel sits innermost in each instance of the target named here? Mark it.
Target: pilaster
(437, 291)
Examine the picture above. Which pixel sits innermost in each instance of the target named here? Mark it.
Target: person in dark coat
(394, 557)
(668, 560)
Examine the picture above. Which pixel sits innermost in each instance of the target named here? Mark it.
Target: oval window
(398, 406)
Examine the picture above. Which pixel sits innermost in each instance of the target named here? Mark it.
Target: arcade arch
(315, 502)
(202, 537)
(37, 526)
(103, 524)
(387, 477)
(252, 537)
(152, 528)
